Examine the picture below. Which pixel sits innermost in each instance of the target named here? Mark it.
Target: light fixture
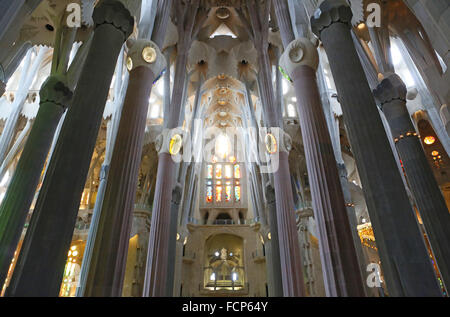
(213, 277)
(129, 64)
(175, 144)
(435, 153)
(271, 143)
(178, 236)
(361, 26)
(269, 236)
(216, 253)
(149, 54)
(429, 140)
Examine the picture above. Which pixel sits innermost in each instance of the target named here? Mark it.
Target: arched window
(223, 182)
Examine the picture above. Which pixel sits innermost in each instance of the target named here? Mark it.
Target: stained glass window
(218, 193)
(222, 183)
(209, 194)
(209, 171)
(237, 193)
(219, 171)
(228, 173)
(228, 193)
(237, 171)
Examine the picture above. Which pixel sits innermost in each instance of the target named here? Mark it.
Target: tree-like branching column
(190, 18)
(41, 263)
(256, 20)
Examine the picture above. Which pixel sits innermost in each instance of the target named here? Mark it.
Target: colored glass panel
(209, 171)
(219, 171)
(218, 193)
(228, 171)
(237, 171)
(209, 194)
(237, 193)
(227, 193)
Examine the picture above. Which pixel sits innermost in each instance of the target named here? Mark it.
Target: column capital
(55, 90)
(390, 88)
(169, 141)
(330, 12)
(145, 53)
(115, 13)
(300, 52)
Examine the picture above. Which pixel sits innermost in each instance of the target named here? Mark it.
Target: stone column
(341, 271)
(44, 252)
(291, 264)
(391, 95)
(273, 262)
(188, 25)
(54, 98)
(174, 208)
(107, 266)
(406, 264)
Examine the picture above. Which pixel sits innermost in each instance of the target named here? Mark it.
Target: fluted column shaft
(284, 21)
(339, 261)
(109, 256)
(157, 256)
(391, 94)
(41, 263)
(172, 247)
(274, 278)
(16, 204)
(406, 265)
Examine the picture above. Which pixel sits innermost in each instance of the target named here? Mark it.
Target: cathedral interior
(224, 148)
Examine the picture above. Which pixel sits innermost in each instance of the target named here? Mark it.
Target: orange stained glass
(209, 194)
(228, 171)
(227, 193)
(237, 171)
(219, 171)
(237, 193)
(218, 193)
(232, 159)
(209, 171)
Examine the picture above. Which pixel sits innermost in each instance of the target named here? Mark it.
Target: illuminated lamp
(429, 140)
(271, 143)
(435, 153)
(175, 144)
(149, 54)
(129, 64)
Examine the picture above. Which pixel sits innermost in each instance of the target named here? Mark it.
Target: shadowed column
(107, 266)
(341, 271)
(406, 264)
(54, 98)
(391, 94)
(40, 266)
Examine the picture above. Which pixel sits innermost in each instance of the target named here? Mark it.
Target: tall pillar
(174, 208)
(406, 264)
(54, 98)
(188, 27)
(291, 264)
(40, 265)
(341, 271)
(273, 261)
(107, 266)
(391, 95)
